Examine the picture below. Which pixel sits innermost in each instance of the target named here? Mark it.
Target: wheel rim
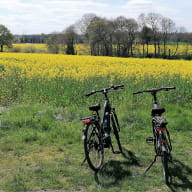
(93, 148)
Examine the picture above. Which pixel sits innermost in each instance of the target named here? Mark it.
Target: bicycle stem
(105, 94)
(155, 103)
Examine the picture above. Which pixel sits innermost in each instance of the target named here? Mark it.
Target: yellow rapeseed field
(49, 66)
(22, 46)
(82, 49)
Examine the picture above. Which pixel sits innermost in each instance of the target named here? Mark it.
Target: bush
(15, 49)
(29, 49)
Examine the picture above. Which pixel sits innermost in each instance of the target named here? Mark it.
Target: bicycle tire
(116, 132)
(93, 146)
(164, 159)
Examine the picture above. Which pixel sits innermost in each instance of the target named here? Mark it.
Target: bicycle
(161, 136)
(97, 130)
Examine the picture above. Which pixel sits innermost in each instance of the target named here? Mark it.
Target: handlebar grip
(118, 86)
(170, 88)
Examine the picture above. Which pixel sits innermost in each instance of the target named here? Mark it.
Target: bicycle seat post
(105, 94)
(155, 103)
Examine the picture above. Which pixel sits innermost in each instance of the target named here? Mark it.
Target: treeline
(117, 37)
(29, 38)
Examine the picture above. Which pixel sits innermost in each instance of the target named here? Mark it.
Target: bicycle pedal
(149, 140)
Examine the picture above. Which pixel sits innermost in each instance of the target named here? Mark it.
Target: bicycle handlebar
(154, 90)
(104, 90)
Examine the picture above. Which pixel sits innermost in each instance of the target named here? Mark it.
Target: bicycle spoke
(93, 147)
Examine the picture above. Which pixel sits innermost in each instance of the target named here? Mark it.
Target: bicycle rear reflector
(86, 121)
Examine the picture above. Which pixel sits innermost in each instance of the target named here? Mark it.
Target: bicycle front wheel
(116, 132)
(93, 146)
(164, 159)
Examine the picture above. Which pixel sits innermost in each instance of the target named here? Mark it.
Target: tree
(167, 26)
(141, 20)
(153, 20)
(178, 36)
(6, 37)
(100, 37)
(70, 36)
(124, 35)
(146, 36)
(120, 36)
(132, 27)
(85, 21)
(53, 41)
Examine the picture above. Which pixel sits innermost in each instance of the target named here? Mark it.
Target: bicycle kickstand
(151, 164)
(83, 161)
(115, 152)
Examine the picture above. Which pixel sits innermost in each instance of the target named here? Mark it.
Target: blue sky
(46, 16)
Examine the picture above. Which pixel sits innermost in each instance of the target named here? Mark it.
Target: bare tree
(141, 20)
(85, 21)
(132, 27)
(167, 27)
(178, 35)
(153, 20)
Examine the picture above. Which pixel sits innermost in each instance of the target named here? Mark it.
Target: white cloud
(178, 11)
(139, 2)
(165, 7)
(45, 15)
(135, 7)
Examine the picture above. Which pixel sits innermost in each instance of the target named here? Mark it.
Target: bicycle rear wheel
(93, 146)
(164, 159)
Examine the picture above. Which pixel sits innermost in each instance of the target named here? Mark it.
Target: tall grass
(40, 132)
(65, 91)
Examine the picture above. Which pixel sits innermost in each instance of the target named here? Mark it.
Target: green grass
(41, 148)
(41, 145)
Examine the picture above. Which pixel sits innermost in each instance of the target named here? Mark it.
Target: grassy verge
(40, 135)
(41, 148)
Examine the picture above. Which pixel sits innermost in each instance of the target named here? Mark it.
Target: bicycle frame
(158, 131)
(105, 121)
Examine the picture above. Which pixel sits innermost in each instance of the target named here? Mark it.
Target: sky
(47, 16)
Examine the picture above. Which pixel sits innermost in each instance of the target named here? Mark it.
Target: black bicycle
(97, 130)
(161, 139)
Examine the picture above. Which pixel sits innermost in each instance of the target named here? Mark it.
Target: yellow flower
(50, 66)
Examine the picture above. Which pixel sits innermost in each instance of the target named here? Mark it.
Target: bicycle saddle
(158, 111)
(159, 121)
(95, 107)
